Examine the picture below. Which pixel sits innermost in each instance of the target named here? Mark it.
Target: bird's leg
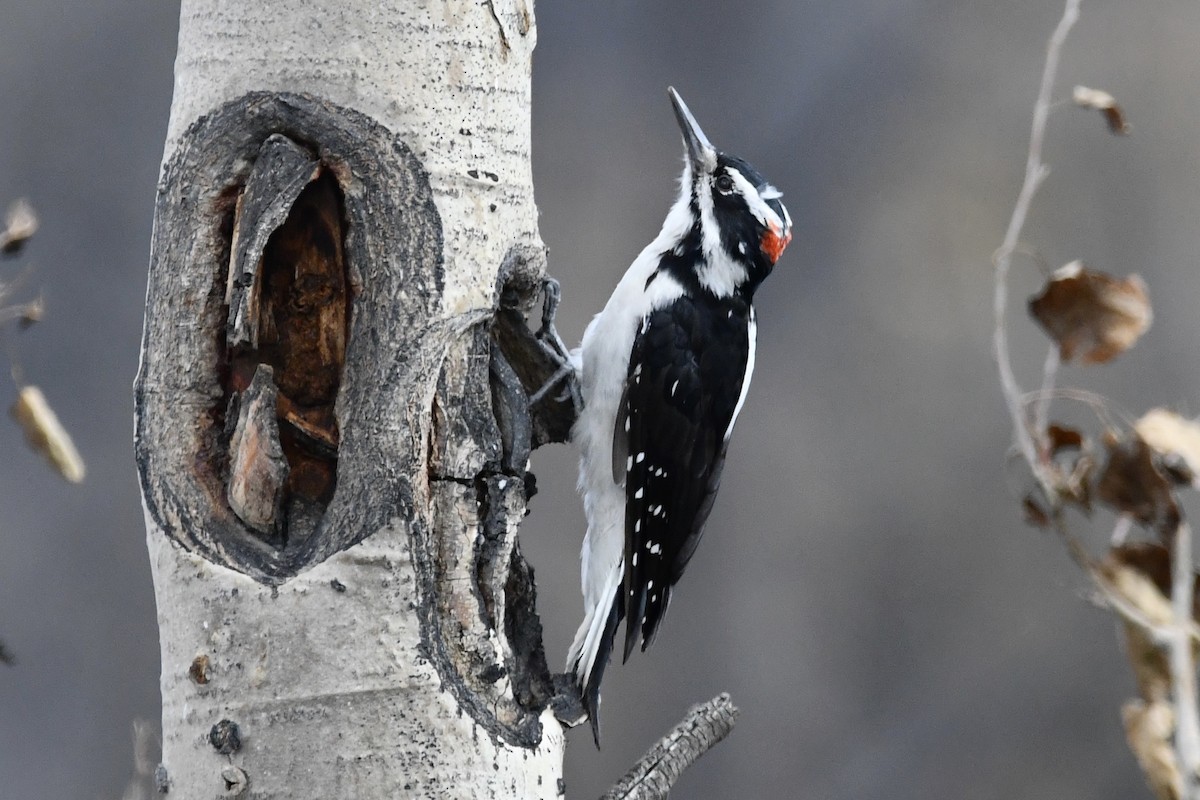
(552, 345)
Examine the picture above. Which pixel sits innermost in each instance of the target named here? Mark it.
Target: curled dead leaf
(1061, 438)
(1090, 314)
(1070, 465)
(1133, 483)
(1149, 728)
(1035, 514)
(1140, 575)
(1106, 104)
(20, 223)
(1175, 439)
(1152, 561)
(46, 434)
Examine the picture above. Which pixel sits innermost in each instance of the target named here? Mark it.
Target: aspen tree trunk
(332, 419)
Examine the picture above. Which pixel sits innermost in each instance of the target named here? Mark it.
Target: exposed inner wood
(296, 322)
(258, 471)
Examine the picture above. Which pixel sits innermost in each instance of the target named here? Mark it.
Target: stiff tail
(592, 647)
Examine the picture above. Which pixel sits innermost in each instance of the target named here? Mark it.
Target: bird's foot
(552, 345)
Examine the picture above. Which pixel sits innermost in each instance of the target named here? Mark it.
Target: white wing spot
(654, 598)
(637, 526)
(628, 463)
(655, 550)
(649, 584)
(658, 472)
(674, 386)
(635, 559)
(641, 457)
(627, 424)
(638, 494)
(741, 250)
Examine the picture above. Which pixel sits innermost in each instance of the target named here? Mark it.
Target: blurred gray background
(866, 591)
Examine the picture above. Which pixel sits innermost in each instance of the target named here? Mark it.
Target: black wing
(684, 382)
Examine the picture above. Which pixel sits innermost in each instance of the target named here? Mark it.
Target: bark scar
(504, 46)
(288, 296)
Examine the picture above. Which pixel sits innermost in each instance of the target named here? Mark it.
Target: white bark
(385, 668)
(329, 689)
(428, 71)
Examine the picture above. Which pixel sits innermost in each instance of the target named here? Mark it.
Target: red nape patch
(773, 243)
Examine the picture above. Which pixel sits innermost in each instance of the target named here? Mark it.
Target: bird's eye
(724, 184)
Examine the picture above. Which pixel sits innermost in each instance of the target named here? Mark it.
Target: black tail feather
(591, 692)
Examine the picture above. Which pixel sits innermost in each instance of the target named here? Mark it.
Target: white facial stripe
(721, 275)
(757, 202)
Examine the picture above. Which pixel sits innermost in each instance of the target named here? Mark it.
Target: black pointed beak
(701, 154)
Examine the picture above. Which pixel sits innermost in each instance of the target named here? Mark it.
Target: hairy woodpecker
(663, 371)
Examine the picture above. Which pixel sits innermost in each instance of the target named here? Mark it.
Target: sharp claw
(547, 336)
(564, 371)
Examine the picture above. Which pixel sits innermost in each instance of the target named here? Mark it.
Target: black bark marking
(225, 737)
(394, 281)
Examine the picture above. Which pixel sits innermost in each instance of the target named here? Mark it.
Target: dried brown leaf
(1132, 483)
(1151, 668)
(1140, 574)
(1153, 561)
(1035, 515)
(1106, 104)
(1149, 728)
(45, 433)
(1063, 438)
(1090, 314)
(1174, 438)
(20, 223)
(1070, 465)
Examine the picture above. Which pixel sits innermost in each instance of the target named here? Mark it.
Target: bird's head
(742, 225)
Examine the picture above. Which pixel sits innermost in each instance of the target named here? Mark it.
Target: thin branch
(653, 776)
(1183, 667)
(1035, 173)
(1041, 412)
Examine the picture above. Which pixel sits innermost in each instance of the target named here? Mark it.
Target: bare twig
(653, 776)
(1183, 667)
(1035, 173)
(1041, 413)
(1030, 417)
